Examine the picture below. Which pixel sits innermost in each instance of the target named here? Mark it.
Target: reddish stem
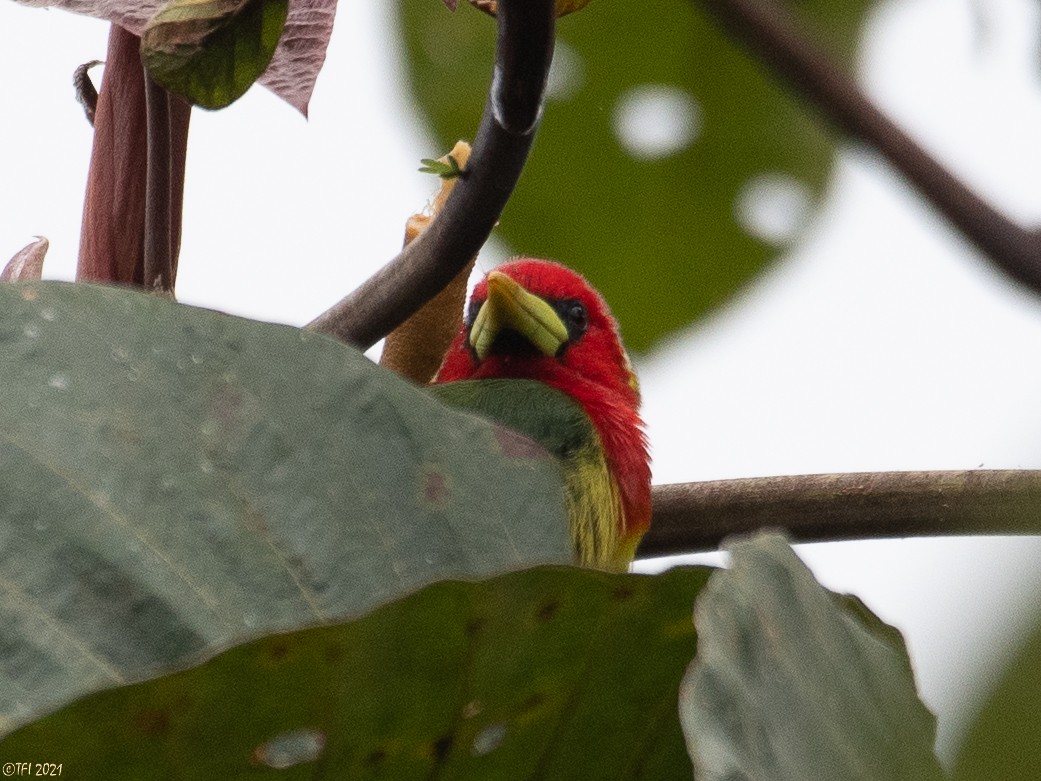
(112, 239)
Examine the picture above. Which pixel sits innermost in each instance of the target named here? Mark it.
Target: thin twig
(504, 138)
(770, 34)
(158, 245)
(691, 517)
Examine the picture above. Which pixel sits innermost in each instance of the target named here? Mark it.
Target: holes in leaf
(653, 121)
(291, 748)
(773, 206)
(488, 739)
(567, 73)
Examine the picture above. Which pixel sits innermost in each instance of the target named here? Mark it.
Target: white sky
(881, 342)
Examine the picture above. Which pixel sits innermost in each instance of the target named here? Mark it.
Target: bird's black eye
(575, 318)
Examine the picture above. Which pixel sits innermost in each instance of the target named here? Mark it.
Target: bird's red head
(535, 319)
(539, 320)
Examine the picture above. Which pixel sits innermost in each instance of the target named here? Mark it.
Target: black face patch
(574, 316)
(510, 342)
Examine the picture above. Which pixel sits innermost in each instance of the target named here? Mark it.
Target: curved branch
(691, 517)
(511, 117)
(770, 34)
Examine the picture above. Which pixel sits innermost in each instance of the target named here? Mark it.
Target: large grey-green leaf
(550, 673)
(174, 480)
(788, 686)
(668, 165)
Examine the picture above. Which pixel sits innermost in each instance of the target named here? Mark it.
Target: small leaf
(211, 52)
(27, 264)
(550, 673)
(787, 685)
(445, 168)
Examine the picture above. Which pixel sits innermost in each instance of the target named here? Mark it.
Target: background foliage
(674, 212)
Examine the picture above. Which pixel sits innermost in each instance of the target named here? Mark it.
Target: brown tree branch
(770, 34)
(511, 117)
(691, 517)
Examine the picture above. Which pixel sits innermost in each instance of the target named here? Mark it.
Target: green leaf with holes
(669, 168)
(174, 481)
(554, 673)
(212, 51)
(793, 683)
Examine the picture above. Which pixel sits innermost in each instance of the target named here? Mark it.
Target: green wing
(558, 423)
(539, 412)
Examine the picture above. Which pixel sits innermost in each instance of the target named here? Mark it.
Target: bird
(540, 352)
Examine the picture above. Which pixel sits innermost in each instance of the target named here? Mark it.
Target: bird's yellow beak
(511, 306)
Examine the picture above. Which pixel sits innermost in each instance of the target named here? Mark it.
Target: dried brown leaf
(294, 66)
(86, 92)
(416, 348)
